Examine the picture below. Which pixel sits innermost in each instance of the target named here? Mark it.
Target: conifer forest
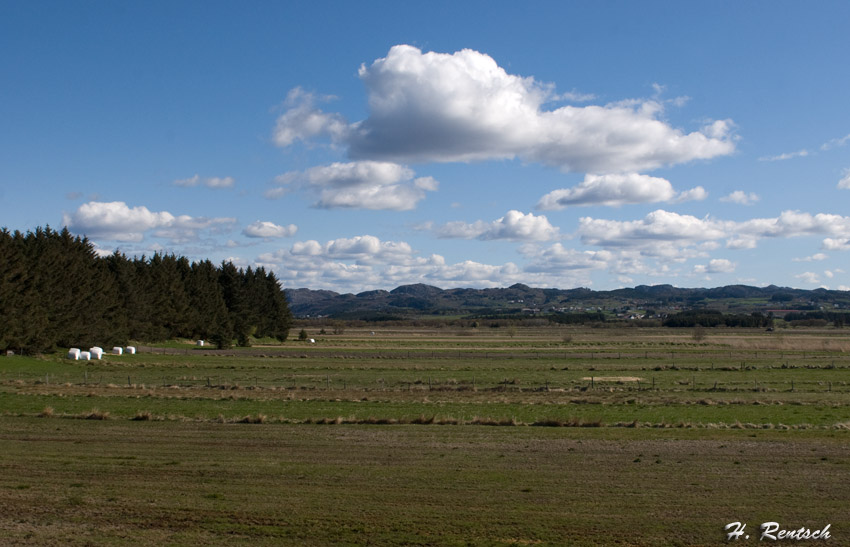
(55, 291)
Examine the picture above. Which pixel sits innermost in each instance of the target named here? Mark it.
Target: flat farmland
(432, 436)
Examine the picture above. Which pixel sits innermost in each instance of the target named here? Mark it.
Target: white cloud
(267, 229)
(219, 182)
(835, 143)
(795, 224)
(464, 107)
(740, 197)
(191, 181)
(673, 237)
(613, 190)
(360, 184)
(657, 226)
(363, 249)
(513, 226)
(303, 121)
(717, 265)
(844, 183)
(741, 243)
(366, 262)
(697, 193)
(841, 244)
(808, 277)
(787, 156)
(117, 222)
(557, 258)
(574, 96)
(209, 182)
(815, 257)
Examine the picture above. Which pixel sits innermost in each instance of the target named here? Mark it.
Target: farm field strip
(357, 443)
(105, 482)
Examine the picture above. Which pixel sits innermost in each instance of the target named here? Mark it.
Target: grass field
(432, 437)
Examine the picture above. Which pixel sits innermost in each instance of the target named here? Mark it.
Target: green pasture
(424, 436)
(80, 482)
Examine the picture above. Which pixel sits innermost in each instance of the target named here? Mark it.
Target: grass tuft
(142, 416)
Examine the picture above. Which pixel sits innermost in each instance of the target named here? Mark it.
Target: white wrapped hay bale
(96, 352)
(131, 350)
(74, 353)
(85, 356)
(117, 350)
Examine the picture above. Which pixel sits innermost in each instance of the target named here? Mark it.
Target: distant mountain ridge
(419, 300)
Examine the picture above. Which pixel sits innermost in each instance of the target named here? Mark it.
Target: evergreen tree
(208, 317)
(56, 291)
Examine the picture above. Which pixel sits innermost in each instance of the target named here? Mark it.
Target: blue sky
(363, 145)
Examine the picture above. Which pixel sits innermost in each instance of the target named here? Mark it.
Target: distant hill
(420, 300)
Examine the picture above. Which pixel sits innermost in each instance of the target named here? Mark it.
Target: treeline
(815, 318)
(578, 318)
(55, 291)
(715, 318)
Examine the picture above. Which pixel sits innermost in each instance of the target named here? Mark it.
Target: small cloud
(740, 243)
(741, 198)
(817, 257)
(835, 143)
(717, 265)
(219, 182)
(840, 244)
(303, 121)
(191, 181)
(513, 226)
(808, 277)
(787, 156)
(612, 190)
(358, 185)
(73, 195)
(575, 96)
(209, 182)
(844, 183)
(269, 230)
(697, 193)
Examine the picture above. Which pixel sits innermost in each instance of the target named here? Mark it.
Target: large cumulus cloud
(440, 107)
